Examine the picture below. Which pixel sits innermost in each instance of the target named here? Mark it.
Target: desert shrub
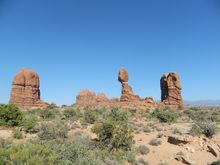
(104, 129)
(131, 157)
(52, 130)
(122, 137)
(75, 153)
(146, 129)
(208, 128)
(118, 115)
(72, 113)
(166, 116)
(155, 142)
(10, 115)
(29, 123)
(141, 161)
(113, 134)
(26, 154)
(90, 115)
(17, 133)
(47, 113)
(144, 150)
(195, 130)
(215, 163)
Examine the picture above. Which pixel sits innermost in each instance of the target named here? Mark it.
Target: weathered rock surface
(171, 90)
(179, 140)
(213, 149)
(25, 91)
(127, 93)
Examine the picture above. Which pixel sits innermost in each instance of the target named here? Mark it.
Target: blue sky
(81, 44)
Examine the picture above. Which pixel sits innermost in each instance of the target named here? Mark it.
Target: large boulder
(127, 93)
(25, 92)
(171, 89)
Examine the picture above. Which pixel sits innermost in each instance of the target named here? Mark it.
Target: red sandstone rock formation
(126, 91)
(86, 98)
(101, 97)
(171, 90)
(25, 91)
(149, 100)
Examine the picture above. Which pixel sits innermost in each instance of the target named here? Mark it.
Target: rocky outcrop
(101, 97)
(171, 90)
(25, 92)
(126, 91)
(86, 98)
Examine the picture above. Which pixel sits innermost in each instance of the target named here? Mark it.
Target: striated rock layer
(25, 92)
(171, 90)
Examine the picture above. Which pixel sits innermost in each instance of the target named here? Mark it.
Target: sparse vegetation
(114, 143)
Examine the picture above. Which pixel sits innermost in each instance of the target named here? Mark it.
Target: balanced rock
(123, 75)
(127, 93)
(86, 98)
(25, 91)
(171, 89)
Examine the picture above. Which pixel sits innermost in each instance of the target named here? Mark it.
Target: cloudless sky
(82, 44)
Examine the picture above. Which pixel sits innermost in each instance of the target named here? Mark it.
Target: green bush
(195, 130)
(10, 115)
(90, 115)
(144, 150)
(166, 116)
(26, 154)
(76, 153)
(122, 138)
(17, 133)
(29, 123)
(104, 129)
(113, 134)
(72, 113)
(47, 113)
(52, 130)
(208, 128)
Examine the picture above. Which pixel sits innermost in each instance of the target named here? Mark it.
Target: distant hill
(203, 102)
